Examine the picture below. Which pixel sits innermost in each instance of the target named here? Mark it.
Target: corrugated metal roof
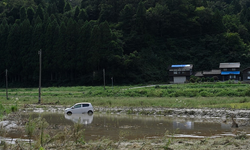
(198, 74)
(230, 65)
(214, 71)
(229, 72)
(246, 69)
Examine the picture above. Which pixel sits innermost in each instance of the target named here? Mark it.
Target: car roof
(83, 103)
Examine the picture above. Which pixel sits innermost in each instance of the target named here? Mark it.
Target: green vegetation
(6, 109)
(191, 95)
(133, 40)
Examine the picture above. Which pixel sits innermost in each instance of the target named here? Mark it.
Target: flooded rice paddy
(131, 127)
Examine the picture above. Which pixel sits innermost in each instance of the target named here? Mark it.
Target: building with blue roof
(180, 73)
(230, 71)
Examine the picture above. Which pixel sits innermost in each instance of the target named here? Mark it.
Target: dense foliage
(133, 40)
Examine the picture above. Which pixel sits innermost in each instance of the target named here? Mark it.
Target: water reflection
(81, 118)
(190, 125)
(183, 125)
(116, 126)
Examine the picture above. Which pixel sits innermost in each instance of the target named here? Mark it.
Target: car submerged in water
(80, 108)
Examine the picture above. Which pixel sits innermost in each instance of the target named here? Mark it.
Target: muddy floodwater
(130, 127)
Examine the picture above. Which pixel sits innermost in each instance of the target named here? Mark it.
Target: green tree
(204, 18)
(4, 32)
(61, 6)
(40, 12)
(140, 19)
(60, 52)
(77, 11)
(67, 7)
(83, 15)
(23, 14)
(83, 47)
(50, 38)
(26, 50)
(94, 53)
(52, 9)
(83, 4)
(105, 13)
(158, 19)
(13, 52)
(217, 23)
(71, 45)
(235, 47)
(236, 5)
(30, 14)
(126, 18)
(231, 22)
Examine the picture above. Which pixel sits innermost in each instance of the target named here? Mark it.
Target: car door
(85, 108)
(77, 109)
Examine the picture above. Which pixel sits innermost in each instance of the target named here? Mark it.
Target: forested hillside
(133, 40)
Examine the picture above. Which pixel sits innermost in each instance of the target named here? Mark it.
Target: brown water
(132, 127)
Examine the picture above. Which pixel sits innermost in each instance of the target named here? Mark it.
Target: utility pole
(112, 81)
(104, 78)
(40, 74)
(6, 84)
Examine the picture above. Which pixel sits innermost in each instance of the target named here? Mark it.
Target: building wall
(246, 75)
(230, 77)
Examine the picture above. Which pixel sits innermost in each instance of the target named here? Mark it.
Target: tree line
(133, 40)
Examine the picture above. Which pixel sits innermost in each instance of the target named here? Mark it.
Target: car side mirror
(72, 107)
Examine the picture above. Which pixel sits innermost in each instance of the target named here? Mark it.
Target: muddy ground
(240, 140)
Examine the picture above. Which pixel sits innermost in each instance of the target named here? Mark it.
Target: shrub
(243, 100)
(205, 94)
(13, 108)
(215, 78)
(157, 86)
(190, 92)
(222, 93)
(155, 93)
(198, 80)
(247, 93)
(192, 80)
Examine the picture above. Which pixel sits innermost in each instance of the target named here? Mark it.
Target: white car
(80, 108)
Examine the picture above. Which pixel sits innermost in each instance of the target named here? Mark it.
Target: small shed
(180, 73)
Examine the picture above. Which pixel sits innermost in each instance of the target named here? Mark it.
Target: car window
(77, 106)
(85, 105)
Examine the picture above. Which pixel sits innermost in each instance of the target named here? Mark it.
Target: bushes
(194, 79)
(205, 94)
(2, 110)
(155, 93)
(247, 92)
